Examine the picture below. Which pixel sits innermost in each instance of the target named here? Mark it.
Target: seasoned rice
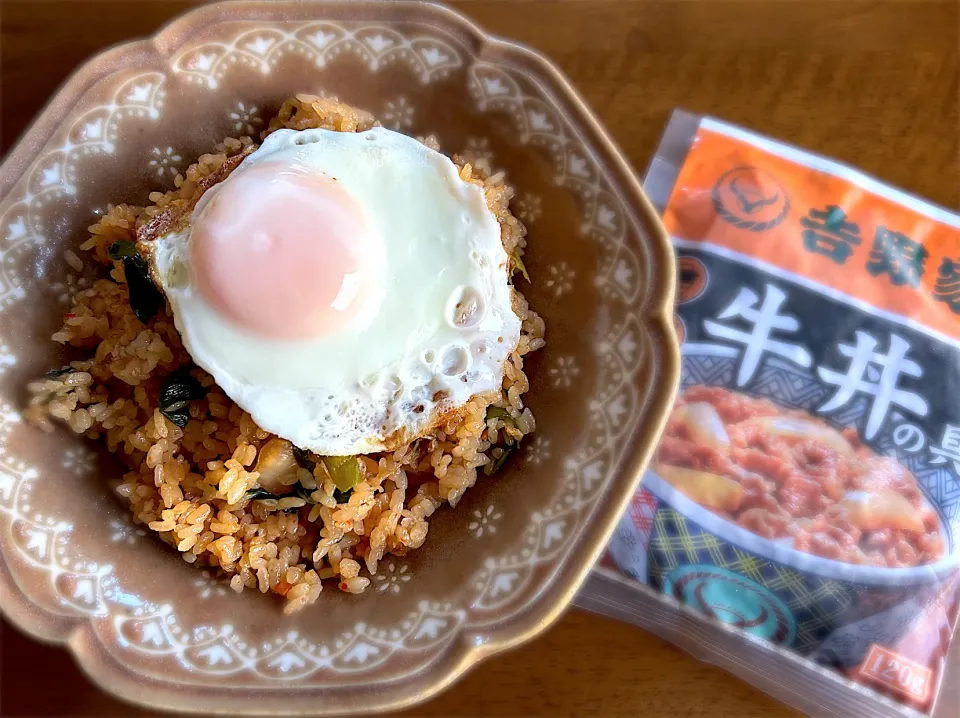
(190, 485)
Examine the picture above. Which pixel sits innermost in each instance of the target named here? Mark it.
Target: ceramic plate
(498, 568)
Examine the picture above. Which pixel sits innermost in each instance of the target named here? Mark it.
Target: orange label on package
(898, 673)
(820, 221)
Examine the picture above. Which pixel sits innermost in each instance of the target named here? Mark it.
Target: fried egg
(348, 290)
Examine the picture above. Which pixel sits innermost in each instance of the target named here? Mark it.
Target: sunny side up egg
(345, 289)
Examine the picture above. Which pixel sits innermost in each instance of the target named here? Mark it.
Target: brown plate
(498, 568)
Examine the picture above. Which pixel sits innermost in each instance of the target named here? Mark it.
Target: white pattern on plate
(478, 150)
(53, 175)
(430, 57)
(124, 530)
(563, 371)
(209, 586)
(7, 359)
(484, 520)
(164, 160)
(398, 114)
(68, 288)
(78, 460)
(392, 577)
(529, 208)
(559, 279)
(245, 119)
(538, 450)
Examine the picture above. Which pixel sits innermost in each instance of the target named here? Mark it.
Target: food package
(799, 523)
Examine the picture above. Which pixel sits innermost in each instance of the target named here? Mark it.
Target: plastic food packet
(800, 521)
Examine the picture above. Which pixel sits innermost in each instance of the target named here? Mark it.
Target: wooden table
(872, 83)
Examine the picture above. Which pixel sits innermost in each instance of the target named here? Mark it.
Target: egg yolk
(279, 250)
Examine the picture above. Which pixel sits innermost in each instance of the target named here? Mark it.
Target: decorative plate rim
(463, 652)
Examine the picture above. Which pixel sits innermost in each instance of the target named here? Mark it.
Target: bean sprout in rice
(192, 486)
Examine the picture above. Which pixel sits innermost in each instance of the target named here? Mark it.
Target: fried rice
(192, 486)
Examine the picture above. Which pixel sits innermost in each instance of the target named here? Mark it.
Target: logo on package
(751, 199)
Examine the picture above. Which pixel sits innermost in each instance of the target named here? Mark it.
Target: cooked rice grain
(189, 485)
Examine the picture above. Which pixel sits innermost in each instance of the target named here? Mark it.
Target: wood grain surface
(872, 83)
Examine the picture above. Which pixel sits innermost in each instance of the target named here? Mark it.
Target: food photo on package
(805, 493)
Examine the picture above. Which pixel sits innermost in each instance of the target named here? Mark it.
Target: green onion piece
(496, 412)
(499, 461)
(344, 470)
(519, 266)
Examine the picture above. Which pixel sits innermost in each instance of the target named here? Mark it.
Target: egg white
(382, 379)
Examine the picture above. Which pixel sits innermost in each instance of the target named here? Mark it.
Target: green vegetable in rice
(57, 373)
(304, 493)
(178, 391)
(298, 491)
(349, 472)
(303, 458)
(145, 298)
(261, 495)
(499, 461)
(122, 249)
(342, 497)
(518, 265)
(496, 412)
(344, 470)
